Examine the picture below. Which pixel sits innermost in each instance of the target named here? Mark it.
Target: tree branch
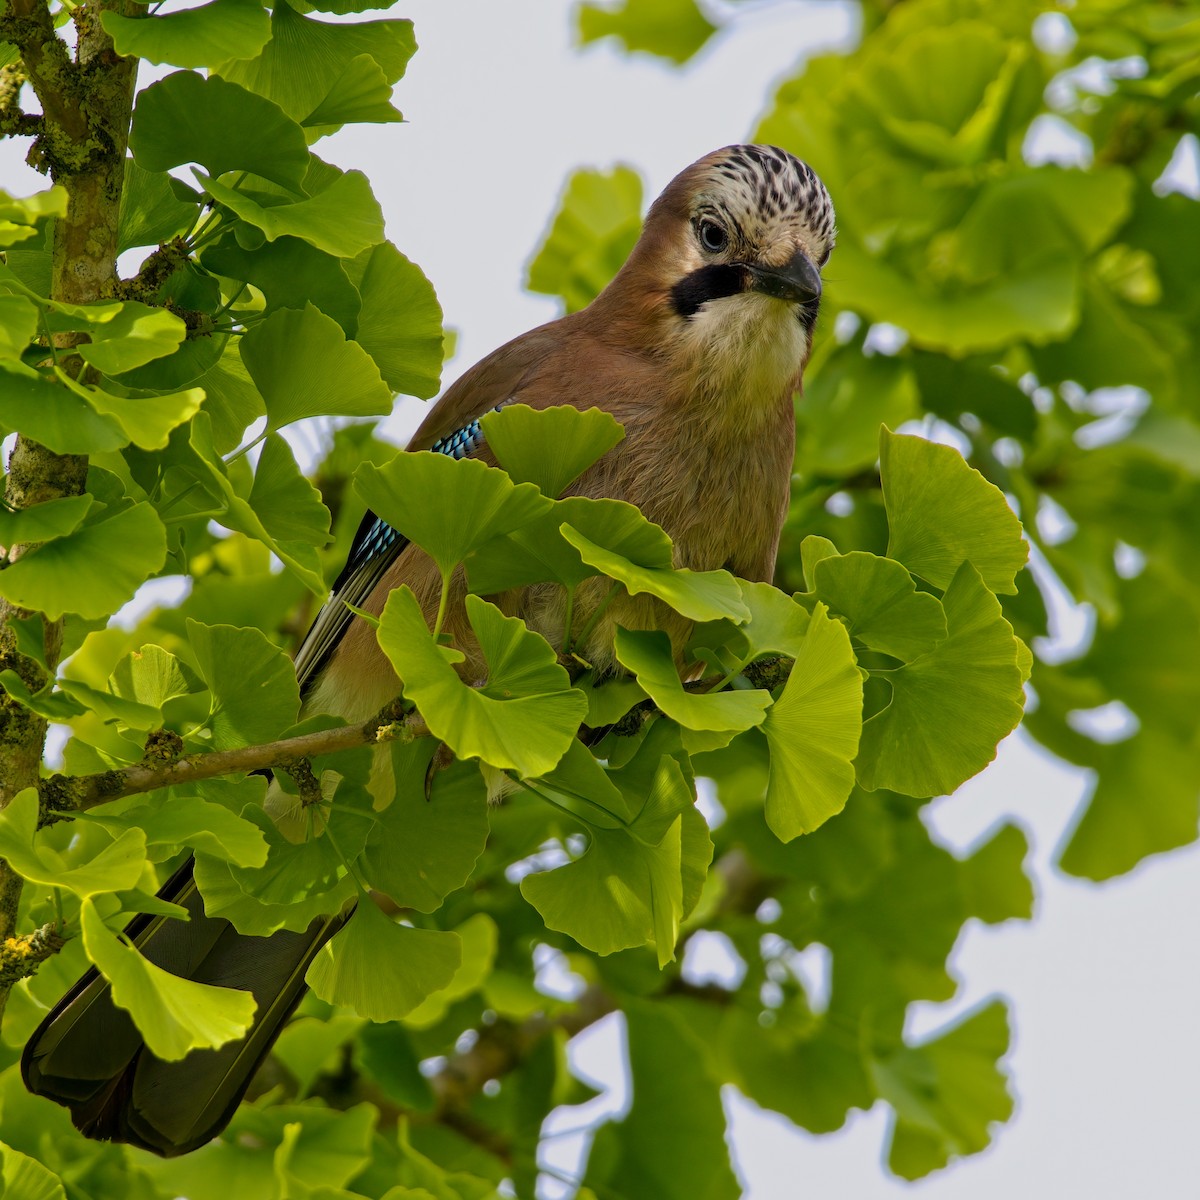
(163, 766)
(14, 122)
(55, 80)
(21, 956)
(64, 794)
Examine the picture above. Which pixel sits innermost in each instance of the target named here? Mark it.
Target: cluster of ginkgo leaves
(883, 671)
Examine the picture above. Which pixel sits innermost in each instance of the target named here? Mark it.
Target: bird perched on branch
(696, 348)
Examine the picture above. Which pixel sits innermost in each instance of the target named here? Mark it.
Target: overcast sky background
(1104, 983)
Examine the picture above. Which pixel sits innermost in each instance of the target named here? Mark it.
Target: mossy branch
(62, 795)
(21, 956)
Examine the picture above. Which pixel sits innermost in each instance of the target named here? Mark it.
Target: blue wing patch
(375, 547)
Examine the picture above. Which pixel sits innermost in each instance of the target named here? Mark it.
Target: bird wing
(452, 428)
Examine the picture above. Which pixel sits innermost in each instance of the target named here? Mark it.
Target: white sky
(1104, 982)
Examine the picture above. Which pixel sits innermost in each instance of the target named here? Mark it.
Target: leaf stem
(443, 604)
(242, 450)
(574, 796)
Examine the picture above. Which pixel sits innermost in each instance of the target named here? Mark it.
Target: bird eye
(712, 237)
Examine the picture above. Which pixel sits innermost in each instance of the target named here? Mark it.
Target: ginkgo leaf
(951, 707)
(194, 37)
(538, 551)
(400, 321)
(255, 696)
(118, 866)
(174, 1015)
(631, 885)
(701, 595)
(947, 1092)
(147, 421)
(303, 366)
(648, 655)
(91, 571)
(151, 676)
(549, 447)
(188, 118)
(343, 218)
(27, 1178)
(880, 603)
(525, 716)
(447, 506)
(424, 847)
(813, 732)
(942, 513)
(43, 522)
(480, 939)
(382, 969)
(191, 821)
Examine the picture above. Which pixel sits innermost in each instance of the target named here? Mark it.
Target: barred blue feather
(375, 547)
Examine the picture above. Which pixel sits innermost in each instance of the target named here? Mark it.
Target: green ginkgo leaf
(52, 414)
(136, 335)
(588, 791)
(382, 969)
(286, 503)
(299, 555)
(522, 719)
(297, 883)
(48, 702)
(480, 938)
(647, 653)
(951, 707)
(947, 1092)
(91, 571)
(549, 447)
(813, 732)
(187, 118)
(596, 226)
(151, 213)
(942, 513)
(147, 421)
(306, 59)
(424, 847)
(18, 324)
(608, 899)
(303, 365)
(290, 272)
(361, 93)
(539, 552)
(118, 866)
(174, 1015)
(110, 707)
(777, 625)
(447, 506)
(191, 821)
(43, 522)
(27, 1178)
(400, 322)
(701, 595)
(255, 696)
(151, 676)
(634, 885)
(880, 604)
(194, 37)
(343, 218)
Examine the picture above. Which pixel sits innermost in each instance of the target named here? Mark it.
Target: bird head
(727, 271)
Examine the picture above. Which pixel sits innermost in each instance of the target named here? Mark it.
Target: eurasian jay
(697, 348)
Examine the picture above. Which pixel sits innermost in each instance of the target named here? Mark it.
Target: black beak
(797, 280)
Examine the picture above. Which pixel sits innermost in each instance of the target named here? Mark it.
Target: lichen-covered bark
(86, 104)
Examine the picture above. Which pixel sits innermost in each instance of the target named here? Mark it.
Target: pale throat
(742, 354)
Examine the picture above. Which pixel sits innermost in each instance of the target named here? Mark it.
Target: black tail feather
(89, 1056)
